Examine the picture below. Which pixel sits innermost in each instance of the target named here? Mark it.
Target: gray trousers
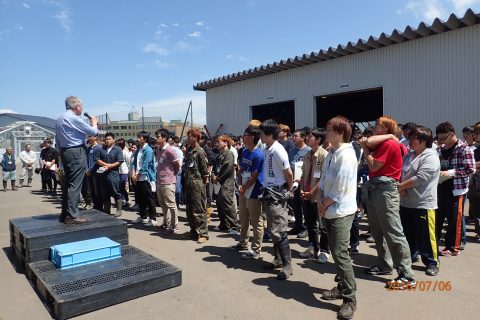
(277, 218)
(338, 233)
(74, 162)
(383, 204)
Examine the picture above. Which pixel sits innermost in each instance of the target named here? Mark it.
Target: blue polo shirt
(252, 161)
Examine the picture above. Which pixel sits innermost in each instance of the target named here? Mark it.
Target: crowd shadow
(296, 290)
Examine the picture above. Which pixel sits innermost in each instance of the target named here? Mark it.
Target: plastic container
(84, 252)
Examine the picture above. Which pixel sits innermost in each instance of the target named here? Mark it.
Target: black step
(71, 292)
(32, 237)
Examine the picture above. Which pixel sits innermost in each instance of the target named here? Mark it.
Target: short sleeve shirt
(115, 154)
(252, 161)
(275, 161)
(389, 153)
(165, 168)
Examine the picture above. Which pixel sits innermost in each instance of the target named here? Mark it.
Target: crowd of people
(406, 180)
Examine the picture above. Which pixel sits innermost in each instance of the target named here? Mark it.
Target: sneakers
(202, 239)
(307, 253)
(332, 294)
(462, 246)
(141, 220)
(233, 232)
(374, 271)
(347, 309)
(250, 254)
(354, 251)
(446, 253)
(135, 207)
(401, 283)
(171, 230)
(151, 223)
(432, 271)
(456, 252)
(303, 234)
(323, 257)
(239, 247)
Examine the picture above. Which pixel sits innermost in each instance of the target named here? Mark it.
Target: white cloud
(195, 34)
(237, 57)
(182, 45)
(26, 5)
(200, 23)
(18, 27)
(176, 24)
(430, 9)
(155, 48)
(6, 110)
(163, 25)
(462, 5)
(63, 17)
(161, 64)
(157, 35)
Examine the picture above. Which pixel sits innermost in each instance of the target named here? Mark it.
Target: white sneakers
(145, 221)
(323, 257)
(150, 223)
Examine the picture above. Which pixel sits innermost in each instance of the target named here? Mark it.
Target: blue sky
(116, 53)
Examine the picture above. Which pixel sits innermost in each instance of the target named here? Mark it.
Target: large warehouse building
(427, 75)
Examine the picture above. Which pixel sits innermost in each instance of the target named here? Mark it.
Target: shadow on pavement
(17, 266)
(296, 290)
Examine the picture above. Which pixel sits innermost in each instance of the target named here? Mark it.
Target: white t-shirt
(124, 166)
(276, 160)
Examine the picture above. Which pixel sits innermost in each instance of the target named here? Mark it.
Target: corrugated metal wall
(426, 81)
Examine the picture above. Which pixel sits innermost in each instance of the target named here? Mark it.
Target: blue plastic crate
(69, 255)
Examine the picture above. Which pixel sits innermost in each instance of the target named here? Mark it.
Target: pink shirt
(165, 157)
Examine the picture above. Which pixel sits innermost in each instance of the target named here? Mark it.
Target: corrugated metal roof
(372, 43)
(8, 118)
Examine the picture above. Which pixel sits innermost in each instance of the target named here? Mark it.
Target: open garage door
(362, 107)
(281, 112)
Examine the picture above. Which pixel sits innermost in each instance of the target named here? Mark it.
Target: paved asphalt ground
(217, 284)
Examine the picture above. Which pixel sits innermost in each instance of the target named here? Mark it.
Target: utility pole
(143, 121)
(186, 117)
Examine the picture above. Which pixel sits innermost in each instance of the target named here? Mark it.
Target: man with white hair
(28, 158)
(71, 132)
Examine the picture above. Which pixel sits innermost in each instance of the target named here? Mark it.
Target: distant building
(128, 129)
(17, 130)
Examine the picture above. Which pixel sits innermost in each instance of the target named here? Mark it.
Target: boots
(119, 208)
(13, 186)
(286, 255)
(277, 261)
(4, 186)
(20, 183)
(106, 206)
(29, 184)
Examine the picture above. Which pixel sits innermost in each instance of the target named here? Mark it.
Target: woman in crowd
(418, 191)
(383, 154)
(337, 203)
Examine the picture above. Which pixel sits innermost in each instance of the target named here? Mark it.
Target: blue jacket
(8, 164)
(148, 166)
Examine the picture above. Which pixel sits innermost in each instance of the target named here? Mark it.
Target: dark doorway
(359, 106)
(281, 112)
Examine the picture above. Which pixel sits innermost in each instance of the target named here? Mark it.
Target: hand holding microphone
(93, 120)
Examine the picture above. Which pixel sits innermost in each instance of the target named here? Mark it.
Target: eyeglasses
(444, 137)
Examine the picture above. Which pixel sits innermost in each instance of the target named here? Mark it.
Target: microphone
(87, 115)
